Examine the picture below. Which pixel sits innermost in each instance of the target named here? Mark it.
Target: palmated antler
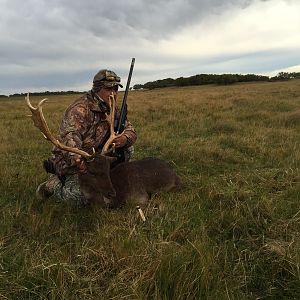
(40, 122)
(111, 121)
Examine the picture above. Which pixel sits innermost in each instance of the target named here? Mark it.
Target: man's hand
(120, 141)
(81, 165)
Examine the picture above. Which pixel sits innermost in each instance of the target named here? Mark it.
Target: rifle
(120, 122)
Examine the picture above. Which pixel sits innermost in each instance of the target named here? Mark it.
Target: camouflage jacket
(84, 126)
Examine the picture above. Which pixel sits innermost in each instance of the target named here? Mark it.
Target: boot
(46, 189)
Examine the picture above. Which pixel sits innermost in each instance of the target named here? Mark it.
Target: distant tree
(227, 79)
(296, 75)
(284, 75)
(138, 86)
(181, 81)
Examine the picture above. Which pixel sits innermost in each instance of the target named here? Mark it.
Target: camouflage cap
(106, 78)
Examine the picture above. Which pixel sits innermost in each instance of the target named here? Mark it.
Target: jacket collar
(96, 104)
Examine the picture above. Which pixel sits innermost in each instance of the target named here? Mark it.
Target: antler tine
(38, 117)
(40, 122)
(113, 135)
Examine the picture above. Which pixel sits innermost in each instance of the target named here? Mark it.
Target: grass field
(232, 233)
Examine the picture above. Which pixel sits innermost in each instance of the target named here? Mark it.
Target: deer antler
(40, 122)
(111, 121)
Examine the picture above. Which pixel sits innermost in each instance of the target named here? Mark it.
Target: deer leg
(143, 198)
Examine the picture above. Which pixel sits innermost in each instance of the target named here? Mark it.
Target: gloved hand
(81, 164)
(120, 141)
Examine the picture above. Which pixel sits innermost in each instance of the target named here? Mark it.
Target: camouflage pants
(128, 152)
(66, 191)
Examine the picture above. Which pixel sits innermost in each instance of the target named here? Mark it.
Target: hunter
(84, 126)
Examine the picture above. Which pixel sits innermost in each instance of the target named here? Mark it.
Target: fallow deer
(135, 180)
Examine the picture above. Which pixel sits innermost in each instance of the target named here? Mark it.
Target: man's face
(105, 92)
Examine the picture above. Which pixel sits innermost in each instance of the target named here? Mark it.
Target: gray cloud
(156, 18)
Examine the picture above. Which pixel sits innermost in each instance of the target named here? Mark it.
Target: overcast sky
(60, 44)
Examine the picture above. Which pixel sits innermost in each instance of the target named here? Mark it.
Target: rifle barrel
(124, 105)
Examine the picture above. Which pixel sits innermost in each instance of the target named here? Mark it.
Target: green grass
(232, 233)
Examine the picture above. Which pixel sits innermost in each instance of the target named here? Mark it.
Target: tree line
(200, 79)
(46, 93)
(222, 79)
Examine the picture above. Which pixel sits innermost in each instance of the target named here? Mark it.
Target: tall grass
(232, 233)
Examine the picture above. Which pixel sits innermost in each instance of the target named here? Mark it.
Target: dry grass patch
(232, 233)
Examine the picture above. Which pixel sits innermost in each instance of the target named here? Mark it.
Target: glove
(120, 141)
(80, 163)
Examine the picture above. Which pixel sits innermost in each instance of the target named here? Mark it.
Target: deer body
(130, 181)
